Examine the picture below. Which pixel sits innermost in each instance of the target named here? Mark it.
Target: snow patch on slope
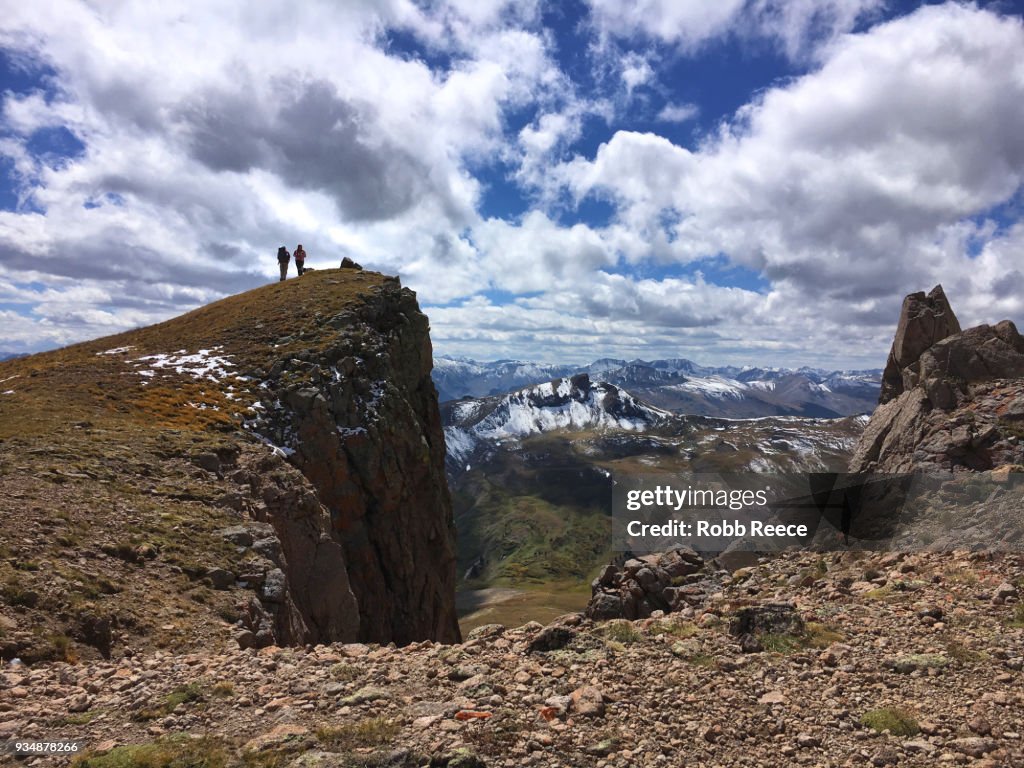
(204, 364)
(459, 443)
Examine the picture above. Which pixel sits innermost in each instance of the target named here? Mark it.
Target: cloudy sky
(734, 181)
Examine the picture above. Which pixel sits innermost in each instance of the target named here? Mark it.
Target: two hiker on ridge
(283, 257)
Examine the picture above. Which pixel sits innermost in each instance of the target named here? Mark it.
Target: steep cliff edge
(951, 400)
(359, 416)
(266, 469)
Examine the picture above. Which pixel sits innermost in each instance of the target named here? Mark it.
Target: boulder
(221, 578)
(588, 701)
(604, 606)
(767, 619)
(245, 639)
(551, 639)
(96, 631)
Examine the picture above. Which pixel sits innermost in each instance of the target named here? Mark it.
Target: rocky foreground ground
(908, 660)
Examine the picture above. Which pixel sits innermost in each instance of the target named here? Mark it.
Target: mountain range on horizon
(679, 385)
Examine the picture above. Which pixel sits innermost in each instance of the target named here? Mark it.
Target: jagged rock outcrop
(958, 403)
(360, 418)
(670, 581)
(978, 354)
(924, 320)
(292, 560)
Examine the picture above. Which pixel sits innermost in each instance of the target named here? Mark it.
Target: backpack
(282, 254)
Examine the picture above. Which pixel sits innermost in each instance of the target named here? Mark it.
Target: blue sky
(734, 181)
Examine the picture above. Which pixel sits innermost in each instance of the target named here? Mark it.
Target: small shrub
(498, 739)
(881, 593)
(122, 550)
(961, 576)
(229, 614)
(681, 629)
(80, 718)
(898, 722)
(170, 752)
(780, 642)
(815, 635)
(345, 672)
(107, 587)
(701, 660)
(16, 594)
(1017, 620)
(821, 636)
(63, 648)
(371, 732)
(620, 632)
(914, 661)
(183, 694)
(963, 654)
(224, 689)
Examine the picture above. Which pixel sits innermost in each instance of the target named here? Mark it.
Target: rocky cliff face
(360, 418)
(951, 399)
(268, 468)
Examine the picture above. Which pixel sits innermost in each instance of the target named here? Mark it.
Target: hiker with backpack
(300, 259)
(283, 258)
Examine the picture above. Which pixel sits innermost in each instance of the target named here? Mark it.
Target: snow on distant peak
(456, 365)
(467, 410)
(717, 387)
(566, 404)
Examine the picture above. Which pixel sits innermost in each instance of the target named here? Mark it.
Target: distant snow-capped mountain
(532, 471)
(682, 386)
(456, 377)
(567, 403)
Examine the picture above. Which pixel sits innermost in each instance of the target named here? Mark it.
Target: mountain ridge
(158, 456)
(680, 385)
